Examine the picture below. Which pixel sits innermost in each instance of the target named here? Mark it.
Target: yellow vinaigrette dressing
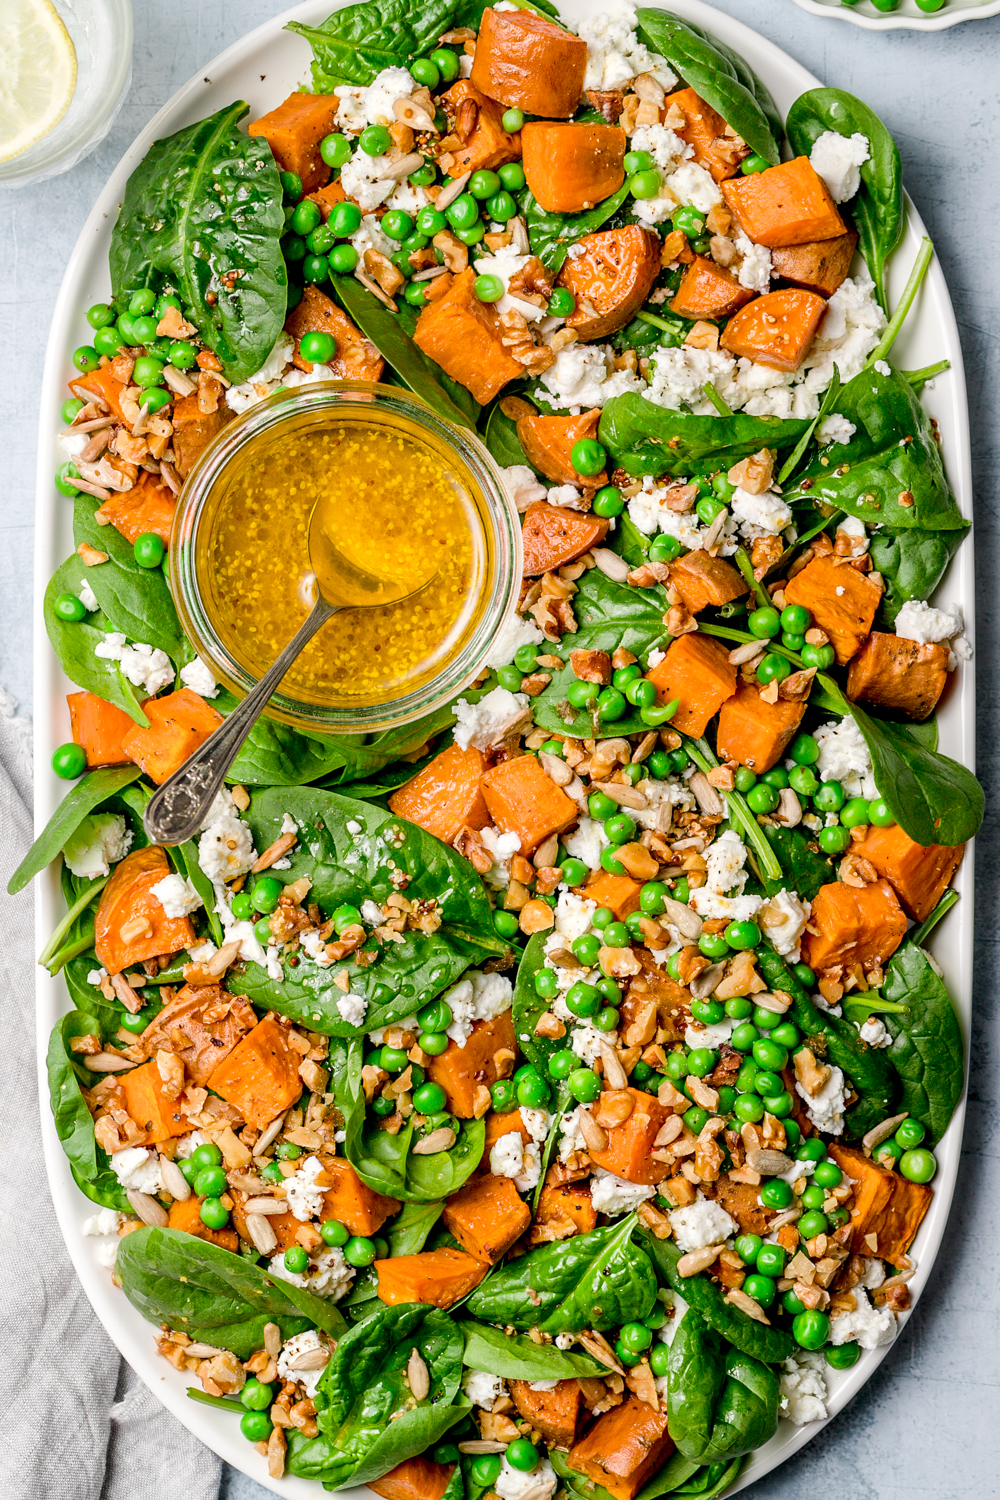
(392, 505)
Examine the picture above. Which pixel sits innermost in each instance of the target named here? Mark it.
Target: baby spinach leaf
(410, 363)
(927, 1050)
(758, 1340)
(387, 1162)
(502, 440)
(933, 798)
(528, 1006)
(66, 1073)
(368, 1419)
(712, 74)
(90, 792)
(721, 1403)
(596, 1280)
(878, 206)
(356, 43)
(408, 1231)
(195, 1287)
(550, 235)
(749, 80)
(74, 641)
(520, 1358)
(203, 211)
(135, 600)
(802, 869)
(644, 438)
(912, 563)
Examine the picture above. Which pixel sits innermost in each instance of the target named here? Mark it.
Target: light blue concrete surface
(927, 1426)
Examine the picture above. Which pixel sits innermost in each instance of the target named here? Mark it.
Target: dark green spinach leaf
(912, 563)
(356, 43)
(550, 235)
(74, 641)
(135, 601)
(644, 438)
(803, 869)
(520, 1358)
(89, 793)
(933, 798)
(87, 1160)
(528, 1006)
(927, 1049)
(721, 1403)
(758, 1340)
(502, 440)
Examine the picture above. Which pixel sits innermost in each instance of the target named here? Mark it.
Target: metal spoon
(178, 809)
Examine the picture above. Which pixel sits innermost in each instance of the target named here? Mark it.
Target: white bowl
(908, 17)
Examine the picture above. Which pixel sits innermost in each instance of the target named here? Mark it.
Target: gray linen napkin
(79, 1424)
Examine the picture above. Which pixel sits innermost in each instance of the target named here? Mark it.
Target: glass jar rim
(499, 518)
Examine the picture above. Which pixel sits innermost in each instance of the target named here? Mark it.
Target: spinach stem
(920, 934)
(836, 700)
(651, 318)
(919, 378)
(53, 946)
(739, 813)
(920, 266)
(711, 394)
(222, 1402)
(829, 400)
(742, 560)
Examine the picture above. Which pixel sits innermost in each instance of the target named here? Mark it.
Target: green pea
(272, 1172)
(792, 642)
(817, 656)
(182, 356)
(748, 1247)
(574, 871)
(744, 1036)
(434, 1043)
(741, 935)
(854, 813)
(206, 1155)
(584, 1085)
(446, 63)
(504, 1096)
(561, 1064)
(609, 988)
(677, 1064)
(462, 212)
(431, 222)
(108, 341)
(777, 778)
(773, 668)
(713, 945)
(664, 549)
(359, 1251)
(583, 999)
(581, 694)
(708, 508)
(483, 184)
(588, 456)
(653, 897)
(833, 840)
(86, 358)
(68, 607)
(69, 761)
(426, 71)
(827, 1174)
(701, 1061)
(769, 1055)
(488, 288)
(659, 1360)
(316, 268)
(375, 140)
(636, 1337)
(512, 120)
(659, 764)
(149, 549)
(623, 676)
(804, 975)
(586, 948)
(511, 174)
(796, 618)
(764, 623)
(394, 1059)
(761, 1288)
(739, 1008)
(910, 1133)
(485, 1469)
(770, 1260)
(749, 1108)
(287, 1151)
(619, 828)
(793, 1135)
(811, 1329)
(880, 813)
(786, 1035)
(446, 1453)
(811, 1224)
(792, 1304)
(813, 1197)
(510, 678)
(533, 1091)
(546, 983)
(214, 1213)
(830, 797)
(696, 1118)
(101, 314)
(429, 1099)
(334, 1233)
(607, 1019)
(918, 1165)
(601, 806)
(505, 924)
(776, 1193)
(210, 1182)
(306, 217)
(256, 1426)
(754, 163)
(803, 782)
(616, 935)
(608, 501)
(689, 221)
(762, 798)
(266, 893)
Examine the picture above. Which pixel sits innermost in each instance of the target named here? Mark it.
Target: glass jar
(291, 414)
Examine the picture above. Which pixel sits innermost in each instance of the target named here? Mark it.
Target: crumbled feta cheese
(802, 1388)
(353, 1009)
(703, 1222)
(853, 324)
(766, 513)
(665, 147)
(883, 368)
(658, 794)
(105, 1221)
(408, 198)
(922, 622)
(482, 1389)
(844, 757)
(870, 1326)
(370, 237)
(874, 1033)
(107, 1253)
(87, 597)
(505, 264)
(583, 376)
(137, 1168)
(568, 496)
(536, 1122)
(873, 1274)
(614, 53)
(614, 1195)
(302, 1343)
(225, 849)
(476, 997)
(523, 485)
(362, 179)
(513, 1484)
(586, 1041)
(531, 1169)
(328, 1274)
(755, 268)
(500, 847)
(724, 862)
(654, 658)
(389, 85)
(188, 1144)
(304, 1197)
(677, 378)
(571, 1137)
(352, 116)
(314, 947)
(783, 918)
(826, 1109)
(507, 1155)
(709, 904)
(709, 1036)
(145, 666)
(587, 842)
(261, 384)
(835, 429)
(176, 895)
(200, 679)
(573, 915)
(98, 842)
(690, 183)
(837, 158)
(73, 443)
(516, 631)
(485, 723)
(94, 977)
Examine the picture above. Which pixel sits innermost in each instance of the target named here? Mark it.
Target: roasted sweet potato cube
(193, 431)
(741, 1202)
(439, 1277)
(294, 131)
(702, 580)
(417, 1478)
(498, 1124)
(853, 925)
(149, 1107)
(445, 796)
(487, 1216)
(553, 1413)
(98, 728)
(260, 1077)
(819, 266)
(624, 1448)
(186, 1216)
(777, 329)
(488, 145)
(785, 205)
(178, 725)
(611, 273)
(708, 291)
(755, 732)
(564, 1209)
(523, 800)
(706, 130)
(885, 1205)
(527, 62)
(906, 677)
(130, 925)
(286, 1226)
(548, 444)
(461, 1071)
(553, 535)
(619, 893)
(918, 875)
(842, 602)
(148, 506)
(655, 984)
(629, 1150)
(697, 671)
(102, 384)
(356, 358)
(462, 335)
(201, 1025)
(353, 1202)
(572, 167)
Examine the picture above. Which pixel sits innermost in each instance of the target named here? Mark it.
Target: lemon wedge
(37, 73)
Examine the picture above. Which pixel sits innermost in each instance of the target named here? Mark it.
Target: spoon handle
(177, 810)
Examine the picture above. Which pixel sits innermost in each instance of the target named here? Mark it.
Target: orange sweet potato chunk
(754, 732)
(352, 1202)
(885, 1205)
(553, 535)
(572, 167)
(98, 728)
(819, 266)
(708, 291)
(148, 506)
(260, 1077)
(187, 1218)
(356, 357)
(131, 925)
(741, 1201)
(193, 431)
(785, 205)
(619, 893)
(777, 329)
(564, 1209)
(611, 273)
(488, 145)
(445, 796)
(548, 443)
(697, 670)
(906, 677)
(523, 800)
(149, 1107)
(841, 600)
(178, 724)
(503, 1124)
(102, 384)
(705, 130)
(624, 1448)
(553, 1413)
(439, 1277)
(702, 580)
(294, 131)
(629, 1150)
(487, 1216)
(286, 1226)
(853, 925)
(462, 335)
(918, 875)
(417, 1478)
(529, 63)
(201, 1025)
(461, 1071)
